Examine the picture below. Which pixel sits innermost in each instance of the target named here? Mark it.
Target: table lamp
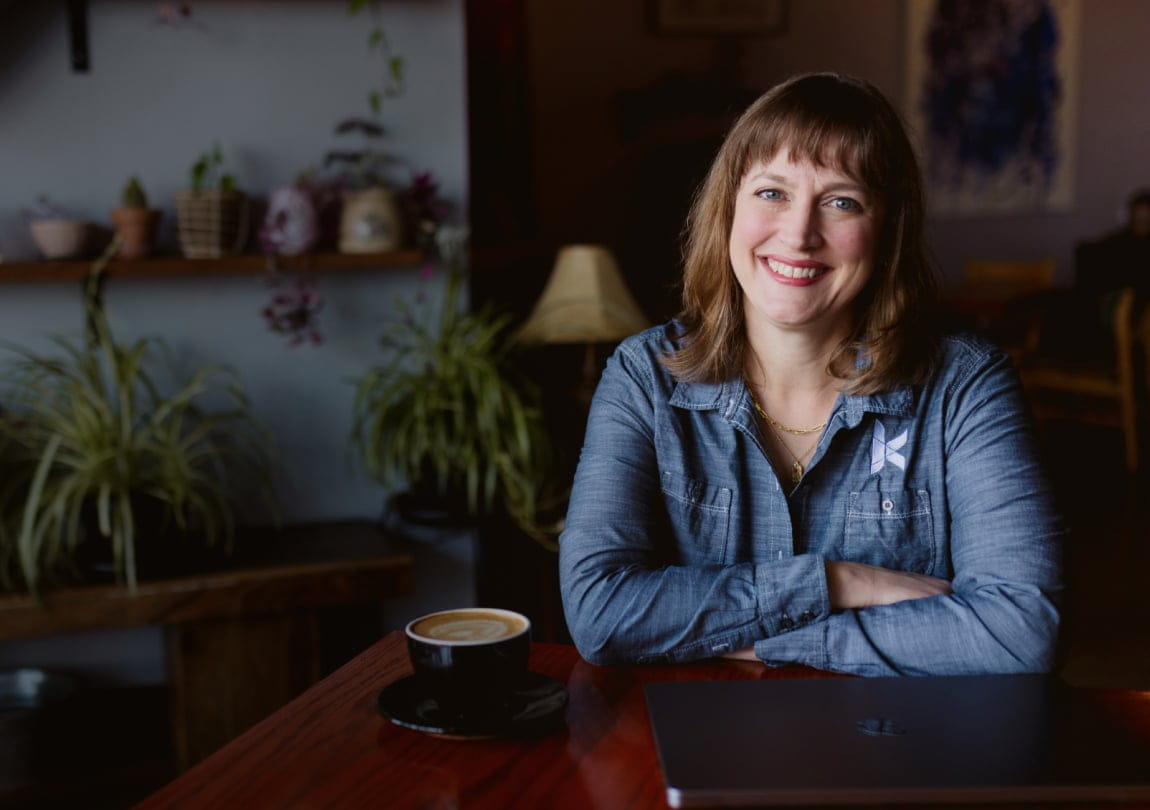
(585, 301)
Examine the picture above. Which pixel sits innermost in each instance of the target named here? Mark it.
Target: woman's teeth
(794, 272)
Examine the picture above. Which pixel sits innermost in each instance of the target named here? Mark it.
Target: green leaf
(199, 172)
(28, 526)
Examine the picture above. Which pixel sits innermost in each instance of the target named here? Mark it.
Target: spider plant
(91, 441)
(450, 413)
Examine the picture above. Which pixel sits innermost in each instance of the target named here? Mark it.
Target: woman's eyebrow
(763, 175)
(844, 185)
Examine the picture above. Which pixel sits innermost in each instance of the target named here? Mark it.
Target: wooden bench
(243, 640)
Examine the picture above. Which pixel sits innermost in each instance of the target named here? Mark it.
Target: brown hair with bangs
(847, 124)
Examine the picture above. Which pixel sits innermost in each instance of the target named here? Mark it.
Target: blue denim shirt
(680, 542)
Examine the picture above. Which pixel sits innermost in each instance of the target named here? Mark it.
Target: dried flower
(172, 13)
(426, 211)
(294, 312)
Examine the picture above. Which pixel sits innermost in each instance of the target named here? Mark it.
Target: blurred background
(544, 123)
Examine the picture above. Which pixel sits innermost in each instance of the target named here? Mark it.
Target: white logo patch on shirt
(882, 451)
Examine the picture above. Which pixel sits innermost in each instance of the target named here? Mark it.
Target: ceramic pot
(161, 549)
(371, 222)
(137, 230)
(61, 238)
(291, 225)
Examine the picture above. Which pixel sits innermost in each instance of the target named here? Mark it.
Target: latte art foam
(470, 630)
(471, 626)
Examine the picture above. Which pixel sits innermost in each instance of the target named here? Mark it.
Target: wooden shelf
(177, 266)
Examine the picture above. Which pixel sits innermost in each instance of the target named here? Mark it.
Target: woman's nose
(800, 228)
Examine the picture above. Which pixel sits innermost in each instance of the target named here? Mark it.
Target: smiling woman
(800, 468)
(801, 245)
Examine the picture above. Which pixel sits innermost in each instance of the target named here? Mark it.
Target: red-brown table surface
(329, 748)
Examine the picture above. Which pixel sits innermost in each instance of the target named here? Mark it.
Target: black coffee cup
(472, 659)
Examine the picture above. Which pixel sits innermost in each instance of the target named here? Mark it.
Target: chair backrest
(1125, 335)
(1137, 339)
(1007, 279)
(1083, 381)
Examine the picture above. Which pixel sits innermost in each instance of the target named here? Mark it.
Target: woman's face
(802, 245)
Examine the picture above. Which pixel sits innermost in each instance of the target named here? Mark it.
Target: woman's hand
(745, 654)
(858, 585)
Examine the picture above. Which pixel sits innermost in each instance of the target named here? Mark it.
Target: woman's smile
(795, 271)
(802, 244)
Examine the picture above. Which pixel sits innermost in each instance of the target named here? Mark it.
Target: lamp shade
(585, 301)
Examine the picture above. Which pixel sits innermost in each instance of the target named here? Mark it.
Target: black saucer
(534, 707)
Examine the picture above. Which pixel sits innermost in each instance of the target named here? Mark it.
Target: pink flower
(295, 312)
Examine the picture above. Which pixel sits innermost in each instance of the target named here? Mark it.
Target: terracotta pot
(137, 230)
(371, 222)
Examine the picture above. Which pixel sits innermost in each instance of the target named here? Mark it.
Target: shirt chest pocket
(700, 515)
(891, 528)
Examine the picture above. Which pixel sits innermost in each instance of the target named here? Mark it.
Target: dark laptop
(885, 741)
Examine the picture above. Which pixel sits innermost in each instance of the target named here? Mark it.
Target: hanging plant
(394, 74)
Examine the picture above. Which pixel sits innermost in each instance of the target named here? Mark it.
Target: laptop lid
(886, 741)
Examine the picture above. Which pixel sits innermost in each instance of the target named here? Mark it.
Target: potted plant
(99, 455)
(371, 220)
(212, 215)
(448, 414)
(134, 222)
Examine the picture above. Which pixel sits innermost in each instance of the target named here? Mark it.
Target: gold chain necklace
(797, 467)
(777, 425)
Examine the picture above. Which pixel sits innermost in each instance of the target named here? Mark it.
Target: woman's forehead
(783, 158)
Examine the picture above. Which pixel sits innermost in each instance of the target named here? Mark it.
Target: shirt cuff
(792, 593)
(807, 645)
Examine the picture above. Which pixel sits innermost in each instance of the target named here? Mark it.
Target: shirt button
(808, 616)
(887, 505)
(786, 622)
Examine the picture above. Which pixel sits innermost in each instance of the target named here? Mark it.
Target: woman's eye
(771, 194)
(846, 204)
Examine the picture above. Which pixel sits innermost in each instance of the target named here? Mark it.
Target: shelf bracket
(78, 34)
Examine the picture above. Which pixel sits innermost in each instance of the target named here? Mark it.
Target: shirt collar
(729, 394)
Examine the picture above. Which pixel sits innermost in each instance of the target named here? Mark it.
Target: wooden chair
(989, 286)
(1007, 278)
(1097, 390)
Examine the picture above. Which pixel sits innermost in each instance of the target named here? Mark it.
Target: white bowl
(61, 238)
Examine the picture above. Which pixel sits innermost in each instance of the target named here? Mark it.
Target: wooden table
(243, 640)
(330, 749)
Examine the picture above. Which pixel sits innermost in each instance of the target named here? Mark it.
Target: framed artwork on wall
(992, 99)
(720, 17)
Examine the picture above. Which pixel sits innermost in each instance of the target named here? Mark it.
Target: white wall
(268, 80)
